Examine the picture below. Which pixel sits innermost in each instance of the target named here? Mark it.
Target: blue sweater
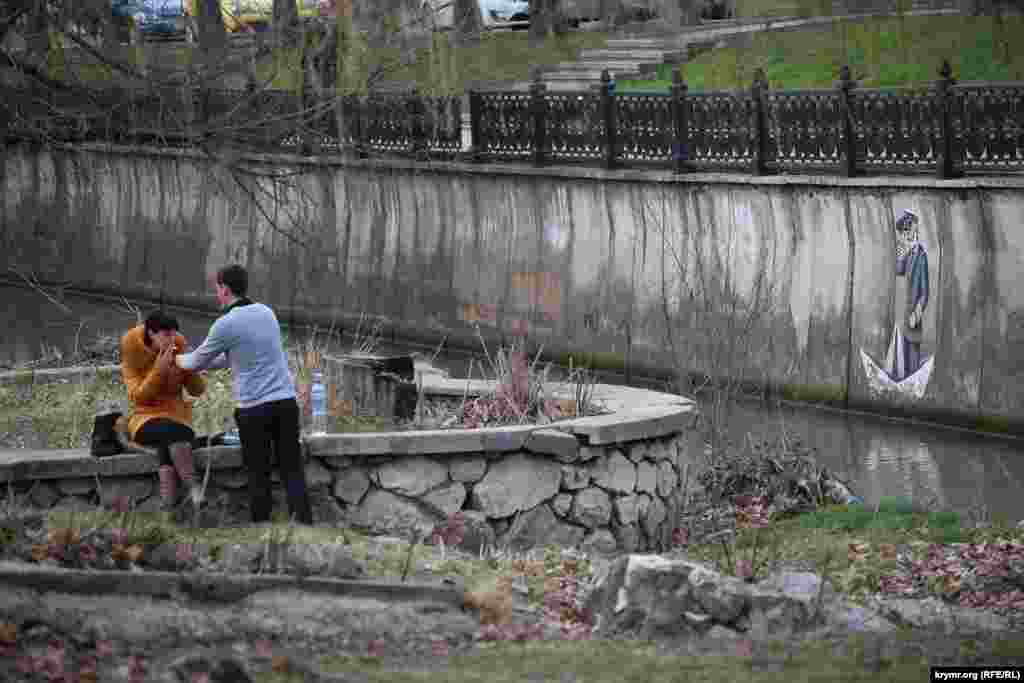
(248, 336)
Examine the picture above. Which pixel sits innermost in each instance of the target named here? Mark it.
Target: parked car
(151, 18)
(246, 16)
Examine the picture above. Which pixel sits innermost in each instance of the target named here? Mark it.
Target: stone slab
(426, 442)
(213, 586)
(637, 424)
(564, 446)
(26, 464)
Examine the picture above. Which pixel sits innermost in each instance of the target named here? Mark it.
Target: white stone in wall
(467, 469)
(135, 488)
(517, 482)
(627, 509)
(627, 538)
(317, 474)
(646, 477)
(667, 479)
(73, 504)
(562, 504)
(660, 449)
(447, 498)
(43, 495)
(575, 478)
(638, 451)
(336, 462)
(383, 512)
(600, 541)
(411, 476)
(592, 508)
(643, 504)
(615, 473)
(230, 479)
(351, 485)
(653, 517)
(541, 526)
(80, 486)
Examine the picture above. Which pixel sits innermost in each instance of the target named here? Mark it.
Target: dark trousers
(160, 432)
(274, 428)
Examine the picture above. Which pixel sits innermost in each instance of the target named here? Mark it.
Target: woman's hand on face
(165, 359)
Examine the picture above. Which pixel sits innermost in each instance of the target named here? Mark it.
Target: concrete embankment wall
(783, 280)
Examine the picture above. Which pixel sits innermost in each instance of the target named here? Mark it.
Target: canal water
(974, 474)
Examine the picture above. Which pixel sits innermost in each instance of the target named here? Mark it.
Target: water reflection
(879, 458)
(896, 466)
(976, 475)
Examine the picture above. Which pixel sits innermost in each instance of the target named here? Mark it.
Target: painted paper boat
(912, 386)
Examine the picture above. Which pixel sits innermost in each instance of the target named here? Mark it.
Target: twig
(33, 283)
(728, 554)
(437, 352)
(416, 538)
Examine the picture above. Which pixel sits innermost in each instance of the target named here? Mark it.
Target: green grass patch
(622, 662)
(852, 545)
(591, 360)
(818, 393)
(885, 52)
(892, 515)
(63, 412)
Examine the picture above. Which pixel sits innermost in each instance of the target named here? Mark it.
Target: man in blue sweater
(248, 338)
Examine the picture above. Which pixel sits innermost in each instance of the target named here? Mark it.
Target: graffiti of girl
(912, 264)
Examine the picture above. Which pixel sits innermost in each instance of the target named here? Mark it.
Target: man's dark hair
(235, 278)
(158, 321)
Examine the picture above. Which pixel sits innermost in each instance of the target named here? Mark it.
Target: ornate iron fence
(948, 129)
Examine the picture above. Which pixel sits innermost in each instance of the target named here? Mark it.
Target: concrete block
(565, 447)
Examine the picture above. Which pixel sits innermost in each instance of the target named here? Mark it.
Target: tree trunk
(540, 20)
(210, 26)
(469, 23)
(322, 62)
(286, 23)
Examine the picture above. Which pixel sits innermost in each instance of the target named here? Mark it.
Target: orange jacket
(154, 394)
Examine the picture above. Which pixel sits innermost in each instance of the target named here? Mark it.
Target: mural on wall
(907, 369)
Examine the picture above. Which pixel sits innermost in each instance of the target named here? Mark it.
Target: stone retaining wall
(604, 483)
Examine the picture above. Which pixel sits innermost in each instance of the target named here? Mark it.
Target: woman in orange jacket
(161, 416)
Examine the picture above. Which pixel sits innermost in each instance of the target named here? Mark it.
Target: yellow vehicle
(242, 16)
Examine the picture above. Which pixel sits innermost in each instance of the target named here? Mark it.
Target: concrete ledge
(520, 486)
(1014, 182)
(26, 464)
(213, 587)
(637, 414)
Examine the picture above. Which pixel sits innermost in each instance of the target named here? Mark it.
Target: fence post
(680, 125)
(538, 109)
(760, 129)
(610, 126)
(416, 109)
(475, 152)
(944, 145)
(848, 152)
(360, 103)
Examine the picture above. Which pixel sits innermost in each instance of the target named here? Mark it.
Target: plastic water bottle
(318, 398)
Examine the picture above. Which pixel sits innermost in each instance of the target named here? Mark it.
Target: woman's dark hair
(158, 321)
(235, 278)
